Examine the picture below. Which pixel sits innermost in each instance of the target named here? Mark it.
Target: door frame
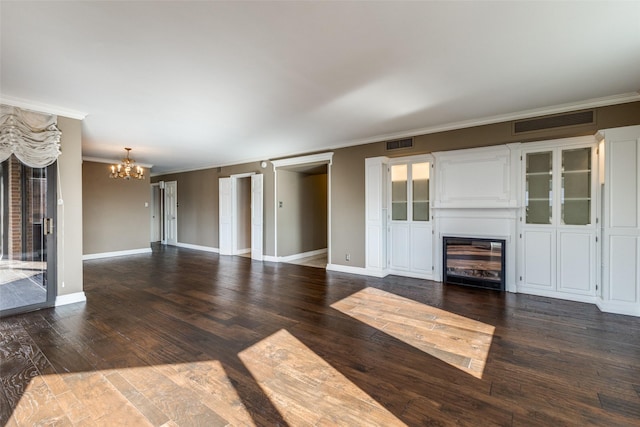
(231, 200)
(321, 158)
(168, 232)
(156, 222)
(50, 240)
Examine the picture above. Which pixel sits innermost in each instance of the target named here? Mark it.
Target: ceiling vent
(553, 122)
(400, 143)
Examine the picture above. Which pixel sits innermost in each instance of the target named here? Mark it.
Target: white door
(171, 212)
(410, 225)
(256, 216)
(226, 217)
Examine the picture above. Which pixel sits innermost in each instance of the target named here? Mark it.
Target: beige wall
(302, 219)
(314, 212)
(348, 186)
(198, 202)
(114, 211)
(69, 235)
(197, 206)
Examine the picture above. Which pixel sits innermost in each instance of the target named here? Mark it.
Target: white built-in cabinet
(410, 220)
(558, 223)
(621, 225)
(399, 226)
(376, 172)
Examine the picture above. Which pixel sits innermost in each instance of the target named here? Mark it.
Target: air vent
(554, 122)
(400, 143)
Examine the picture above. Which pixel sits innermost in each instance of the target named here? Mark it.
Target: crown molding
(525, 114)
(112, 161)
(42, 108)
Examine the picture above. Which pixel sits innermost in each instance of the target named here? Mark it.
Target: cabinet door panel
(575, 252)
(623, 269)
(539, 253)
(421, 248)
(623, 184)
(400, 240)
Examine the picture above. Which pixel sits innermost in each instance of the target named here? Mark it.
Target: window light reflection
(306, 390)
(461, 342)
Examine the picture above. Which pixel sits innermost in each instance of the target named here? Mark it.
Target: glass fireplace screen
(474, 262)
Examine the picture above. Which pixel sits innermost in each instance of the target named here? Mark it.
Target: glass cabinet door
(539, 188)
(420, 187)
(399, 188)
(575, 197)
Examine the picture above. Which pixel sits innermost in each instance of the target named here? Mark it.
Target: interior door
(225, 216)
(257, 216)
(171, 212)
(27, 267)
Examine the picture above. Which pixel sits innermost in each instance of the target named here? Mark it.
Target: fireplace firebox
(474, 261)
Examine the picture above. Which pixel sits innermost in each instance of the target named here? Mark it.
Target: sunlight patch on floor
(178, 394)
(459, 341)
(306, 390)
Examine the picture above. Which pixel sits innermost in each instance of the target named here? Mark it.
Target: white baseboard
(411, 275)
(628, 309)
(270, 258)
(354, 270)
(70, 298)
(242, 251)
(557, 295)
(301, 255)
(198, 247)
(116, 253)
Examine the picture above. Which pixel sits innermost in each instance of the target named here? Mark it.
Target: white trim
(43, 108)
(112, 161)
(242, 175)
(70, 299)
(275, 214)
(270, 258)
(301, 255)
(302, 160)
(591, 299)
(116, 253)
(242, 251)
(198, 247)
(411, 274)
(618, 308)
(326, 158)
(354, 270)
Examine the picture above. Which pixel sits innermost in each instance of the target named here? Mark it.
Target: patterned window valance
(33, 137)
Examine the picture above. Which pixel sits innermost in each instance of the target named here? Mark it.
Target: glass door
(27, 256)
(410, 226)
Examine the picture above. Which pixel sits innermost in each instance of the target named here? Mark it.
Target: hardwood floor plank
(181, 338)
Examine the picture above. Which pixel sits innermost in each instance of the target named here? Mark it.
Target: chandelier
(127, 169)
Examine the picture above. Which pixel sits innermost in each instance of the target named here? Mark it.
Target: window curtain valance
(33, 137)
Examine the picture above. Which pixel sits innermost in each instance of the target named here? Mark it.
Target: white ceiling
(196, 84)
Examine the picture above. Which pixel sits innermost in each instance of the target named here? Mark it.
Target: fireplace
(474, 261)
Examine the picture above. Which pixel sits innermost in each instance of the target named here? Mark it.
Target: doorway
(302, 209)
(156, 213)
(241, 215)
(28, 243)
(170, 235)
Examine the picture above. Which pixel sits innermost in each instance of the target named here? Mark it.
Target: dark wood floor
(191, 338)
